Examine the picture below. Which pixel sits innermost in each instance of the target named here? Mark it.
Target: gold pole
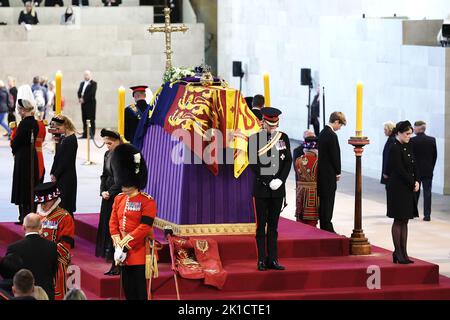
(88, 142)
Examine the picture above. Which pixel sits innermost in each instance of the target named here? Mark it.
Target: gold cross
(168, 29)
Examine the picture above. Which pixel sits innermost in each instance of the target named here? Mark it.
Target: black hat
(58, 120)
(110, 134)
(45, 192)
(271, 116)
(129, 167)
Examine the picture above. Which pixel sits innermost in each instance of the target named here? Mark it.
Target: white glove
(119, 255)
(275, 184)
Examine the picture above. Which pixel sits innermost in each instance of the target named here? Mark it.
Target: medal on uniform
(133, 206)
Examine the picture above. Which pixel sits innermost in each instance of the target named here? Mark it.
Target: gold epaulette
(133, 107)
(12, 124)
(147, 195)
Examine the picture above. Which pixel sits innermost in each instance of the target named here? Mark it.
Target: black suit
(89, 105)
(40, 257)
(315, 114)
(329, 166)
(274, 164)
(425, 152)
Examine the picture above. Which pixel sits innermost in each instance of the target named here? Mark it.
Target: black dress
(401, 199)
(104, 246)
(64, 170)
(21, 149)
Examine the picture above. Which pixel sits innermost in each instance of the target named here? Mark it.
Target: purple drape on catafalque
(188, 194)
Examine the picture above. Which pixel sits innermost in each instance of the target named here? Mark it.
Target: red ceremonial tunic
(59, 227)
(131, 225)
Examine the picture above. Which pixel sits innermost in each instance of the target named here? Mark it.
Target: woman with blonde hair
(39, 293)
(63, 171)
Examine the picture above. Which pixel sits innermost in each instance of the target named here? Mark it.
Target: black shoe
(262, 266)
(427, 219)
(114, 271)
(275, 266)
(396, 260)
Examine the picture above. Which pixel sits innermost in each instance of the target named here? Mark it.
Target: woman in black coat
(24, 153)
(108, 191)
(64, 171)
(401, 188)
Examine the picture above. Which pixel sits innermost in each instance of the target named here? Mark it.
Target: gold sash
(270, 145)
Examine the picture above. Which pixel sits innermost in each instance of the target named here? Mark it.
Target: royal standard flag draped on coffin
(197, 109)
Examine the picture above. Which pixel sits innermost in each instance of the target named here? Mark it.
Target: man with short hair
(329, 169)
(257, 104)
(23, 285)
(39, 255)
(86, 97)
(425, 152)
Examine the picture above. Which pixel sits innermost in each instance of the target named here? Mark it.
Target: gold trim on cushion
(207, 229)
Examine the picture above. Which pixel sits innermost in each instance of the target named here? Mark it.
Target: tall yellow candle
(121, 112)
(58, 81)
(267, 89)
(359, 108)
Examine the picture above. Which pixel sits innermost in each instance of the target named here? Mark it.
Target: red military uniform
(59, 227)
(131, 224)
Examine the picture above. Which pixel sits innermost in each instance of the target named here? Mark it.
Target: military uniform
(270, 160)
(134, 113)
(59, 227)
(131, 223)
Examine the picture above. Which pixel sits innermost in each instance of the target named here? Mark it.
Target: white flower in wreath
(137, 161)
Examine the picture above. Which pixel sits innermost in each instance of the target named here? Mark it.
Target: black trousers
(316, 124)
(267, 213)
(134, 282)
(88, 113)
(25, 209)
(326, 207)
(426, 185)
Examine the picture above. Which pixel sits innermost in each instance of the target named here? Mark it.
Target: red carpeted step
(313, 273)
(296, 240)
(395, 292)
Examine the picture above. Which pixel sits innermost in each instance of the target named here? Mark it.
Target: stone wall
(118, 55)
(85, 15)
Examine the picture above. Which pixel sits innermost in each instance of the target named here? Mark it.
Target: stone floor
(427, 240)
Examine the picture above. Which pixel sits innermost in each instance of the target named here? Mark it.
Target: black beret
(110, 134)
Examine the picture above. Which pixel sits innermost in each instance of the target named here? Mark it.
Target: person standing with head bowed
(402, 187)
(271, 161)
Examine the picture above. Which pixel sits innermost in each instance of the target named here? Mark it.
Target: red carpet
(318, 267)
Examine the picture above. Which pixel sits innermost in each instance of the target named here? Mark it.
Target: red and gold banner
(195, 258)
